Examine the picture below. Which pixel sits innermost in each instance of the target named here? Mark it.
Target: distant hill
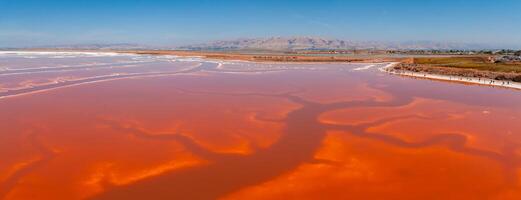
(317, 43)
(281, 44)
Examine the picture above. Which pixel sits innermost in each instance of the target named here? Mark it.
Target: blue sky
(155, 22)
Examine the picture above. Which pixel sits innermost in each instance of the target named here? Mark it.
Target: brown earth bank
(516, 77)
(476, 67)
(267, 57)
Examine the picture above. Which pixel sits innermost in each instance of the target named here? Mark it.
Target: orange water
(292, 134)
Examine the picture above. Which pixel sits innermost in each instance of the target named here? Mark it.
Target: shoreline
(216, 56)
(234, 56)
(454, 79)
(224, 57)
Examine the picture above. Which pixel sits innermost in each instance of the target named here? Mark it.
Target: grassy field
(478, 63)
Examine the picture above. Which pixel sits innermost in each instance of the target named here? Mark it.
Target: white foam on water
(363, 68)
(110, 77)
(61, 54)
(191, 59)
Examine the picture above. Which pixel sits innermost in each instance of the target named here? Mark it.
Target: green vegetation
(477, 63)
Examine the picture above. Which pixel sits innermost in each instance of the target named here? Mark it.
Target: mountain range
(285, 44)
(317, 43)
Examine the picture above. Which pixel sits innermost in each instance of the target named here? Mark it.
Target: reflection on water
(178, 128)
